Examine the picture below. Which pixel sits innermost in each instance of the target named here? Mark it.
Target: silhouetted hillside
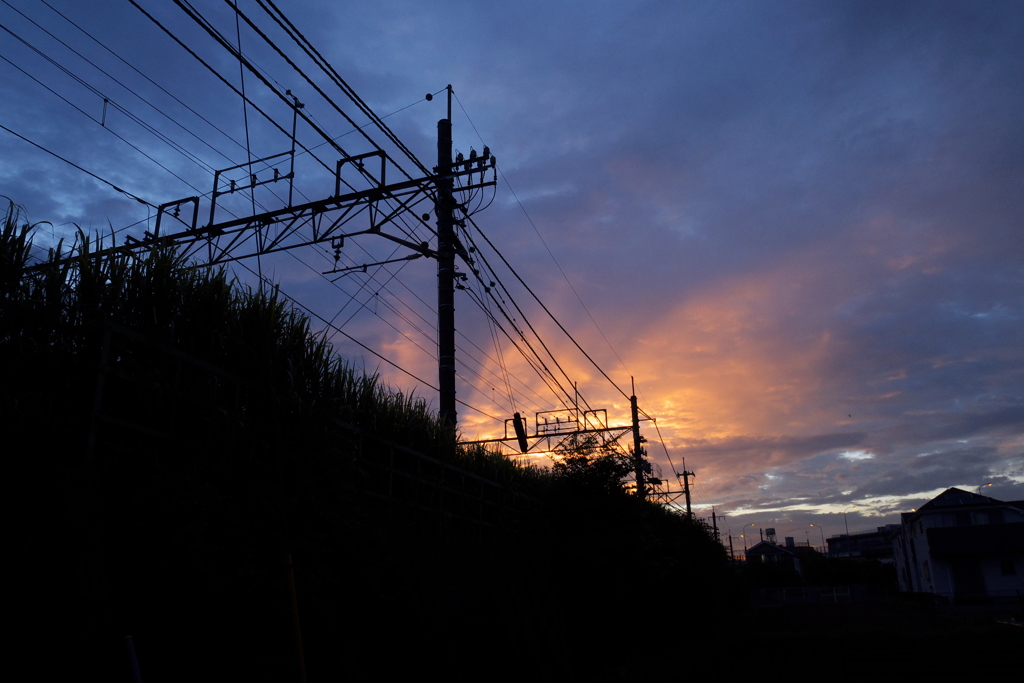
(197, 469)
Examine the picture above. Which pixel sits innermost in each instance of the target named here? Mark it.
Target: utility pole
(443, 205)
(638, 451)
(686, 488)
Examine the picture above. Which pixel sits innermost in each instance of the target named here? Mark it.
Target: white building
(962, 547)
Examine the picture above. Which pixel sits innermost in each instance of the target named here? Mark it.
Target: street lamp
(822, 532)
(846, 523)
(743, 536)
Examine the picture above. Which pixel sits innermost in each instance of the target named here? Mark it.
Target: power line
(557, 265)
(325, 66)
(134, 68)
(132, 116)
(198, 18)
(71, 163)
(357, 342)
(490, 300)
(83, 112)
(546, 310)
(118, 82)
(225, 81)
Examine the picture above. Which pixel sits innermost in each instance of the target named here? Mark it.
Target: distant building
(962, 547)
(872, 545)
(786, 557)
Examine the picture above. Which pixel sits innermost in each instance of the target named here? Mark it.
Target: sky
(796, 226)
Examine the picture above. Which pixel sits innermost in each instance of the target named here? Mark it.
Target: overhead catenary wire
(71, 163)
(560, 270)
(299, 111)
(426, 334)
(108, 129)
(209, 168)
(150, 80)
(503, 314)
(331, 323)
(80, 168)
(224, 43)
(87, 115)
(533, 359)
(359, 343)
(571, 397)
(292, 63)
(382, 286)
(301, 40)
(116, 80)
(216, 73)
(212, 33)
(325, 66)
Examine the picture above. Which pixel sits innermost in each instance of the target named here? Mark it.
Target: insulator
(459, 158)
(487, 152)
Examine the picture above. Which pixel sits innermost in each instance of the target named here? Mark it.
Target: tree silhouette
(588, 465)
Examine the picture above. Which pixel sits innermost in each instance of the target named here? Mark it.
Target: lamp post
(744, 537)
(822, 532)
(845, 522)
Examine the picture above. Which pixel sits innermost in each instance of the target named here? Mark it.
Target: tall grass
(53, 317)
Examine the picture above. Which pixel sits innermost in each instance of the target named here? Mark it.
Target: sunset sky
(799, 226)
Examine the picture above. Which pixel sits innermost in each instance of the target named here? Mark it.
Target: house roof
(954, 497)
(766, 548)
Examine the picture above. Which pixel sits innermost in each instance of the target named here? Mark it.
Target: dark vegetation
(174, 438)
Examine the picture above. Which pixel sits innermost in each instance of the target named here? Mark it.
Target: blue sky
(797, 225)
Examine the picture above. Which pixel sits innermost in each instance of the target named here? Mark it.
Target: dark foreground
(573, 630)
(854, 642)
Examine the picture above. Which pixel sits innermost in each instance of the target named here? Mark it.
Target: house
(962, 547)
(770, 554)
